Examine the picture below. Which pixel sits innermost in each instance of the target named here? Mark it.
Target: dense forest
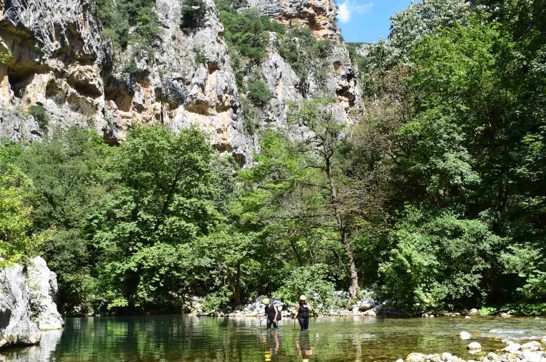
(434, 200)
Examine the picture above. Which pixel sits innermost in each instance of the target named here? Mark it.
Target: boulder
(533, 356)
(42, 284)
(16, 325)
(531, 346)
(512, 347)
(465, 335)
(473, 312)
(27, 303)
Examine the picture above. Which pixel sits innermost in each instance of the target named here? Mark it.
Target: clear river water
(177, 339)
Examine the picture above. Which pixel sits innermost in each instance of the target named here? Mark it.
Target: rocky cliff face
(319, 15)
(26, 303)
(62, 73)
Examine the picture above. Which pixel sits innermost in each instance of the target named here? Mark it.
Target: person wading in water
(272, 313)
(303, 311)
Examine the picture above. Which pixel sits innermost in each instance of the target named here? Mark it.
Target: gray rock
(473, 312)
(512, 347)
(474, 346)
(42, 284)
(533, 356)
(16, 325)
(416, 357)
(531, 346)
(465, 335)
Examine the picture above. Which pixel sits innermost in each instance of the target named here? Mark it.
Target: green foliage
(437, 261)
(200, 57)
(259, 93)
(314, 282)
(68, 173)
(302, 51)
(5, 56)
(16, 239)
(162, 201)
(247, 34)
(39, 113)
(127, 22)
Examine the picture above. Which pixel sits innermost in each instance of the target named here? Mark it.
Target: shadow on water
(176, 338)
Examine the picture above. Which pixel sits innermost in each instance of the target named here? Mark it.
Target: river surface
(176, 339)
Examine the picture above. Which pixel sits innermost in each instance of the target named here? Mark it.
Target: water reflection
(39, 353)
(303, 346)
(174, 338)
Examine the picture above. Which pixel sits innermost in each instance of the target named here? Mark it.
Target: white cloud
(350, 7)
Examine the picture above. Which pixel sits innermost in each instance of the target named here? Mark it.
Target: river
(177, 338)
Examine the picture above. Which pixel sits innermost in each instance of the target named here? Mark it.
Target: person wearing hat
(303, 310)
(272, 313)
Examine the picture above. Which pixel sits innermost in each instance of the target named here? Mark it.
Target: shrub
(40, 115)
(300, 49)
(127, 22)
(259, 94)
(312, 281)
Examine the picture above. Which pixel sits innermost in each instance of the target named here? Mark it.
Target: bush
(314, 282)
(40, 115)
(300, 49)
(127, 22)
(259, 93)
(438, 261)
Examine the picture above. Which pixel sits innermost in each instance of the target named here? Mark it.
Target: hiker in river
(272, 313)
(303, 310)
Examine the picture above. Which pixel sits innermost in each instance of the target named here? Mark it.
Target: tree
(162, 201)
(322, 149)
(16, 239)
(69, 173)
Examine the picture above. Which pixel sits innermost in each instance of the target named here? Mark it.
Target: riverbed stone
(474, 346)
(512, 347)
(473, 312)
(465, 335)
(416, 357)
(531, 346)
(532, 356)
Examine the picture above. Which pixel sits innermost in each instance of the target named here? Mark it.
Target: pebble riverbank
(533, 351)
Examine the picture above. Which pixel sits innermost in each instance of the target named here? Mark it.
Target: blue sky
(367, 20)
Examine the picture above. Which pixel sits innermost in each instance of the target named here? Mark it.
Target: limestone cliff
(319, 15)
(64, 73)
